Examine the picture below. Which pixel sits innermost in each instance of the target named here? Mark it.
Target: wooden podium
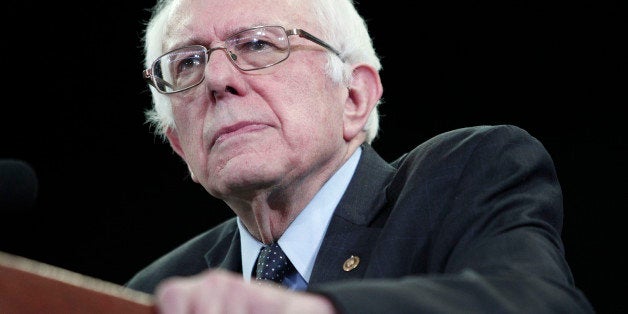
(28, 286)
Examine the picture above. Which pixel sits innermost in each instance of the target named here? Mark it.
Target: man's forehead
(241, 10)
(205, 21)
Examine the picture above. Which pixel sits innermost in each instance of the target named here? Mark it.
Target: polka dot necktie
(272, 265)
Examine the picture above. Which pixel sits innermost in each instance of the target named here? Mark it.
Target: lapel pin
(351, 263)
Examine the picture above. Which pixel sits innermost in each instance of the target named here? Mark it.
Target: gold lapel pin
(351, 263)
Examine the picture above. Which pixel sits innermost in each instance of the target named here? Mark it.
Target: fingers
(217, 291)
(214, 291)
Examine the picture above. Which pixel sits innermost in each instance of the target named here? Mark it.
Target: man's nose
(220, 72)
(215, 61)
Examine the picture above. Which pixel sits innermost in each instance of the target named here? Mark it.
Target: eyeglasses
(251, 49)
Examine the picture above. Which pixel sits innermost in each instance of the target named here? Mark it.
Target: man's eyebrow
(226, 32)
(174, 42)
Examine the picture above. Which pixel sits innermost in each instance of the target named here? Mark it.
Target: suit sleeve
(496, 246)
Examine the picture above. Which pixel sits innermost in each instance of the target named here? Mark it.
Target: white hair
(342, 26)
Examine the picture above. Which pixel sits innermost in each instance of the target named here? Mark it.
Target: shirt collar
(303, 238)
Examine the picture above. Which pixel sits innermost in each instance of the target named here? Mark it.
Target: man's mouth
(234, 130)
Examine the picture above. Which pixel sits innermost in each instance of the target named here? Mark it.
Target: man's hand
(218, 291)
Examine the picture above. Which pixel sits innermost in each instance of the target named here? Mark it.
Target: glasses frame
(153, 80)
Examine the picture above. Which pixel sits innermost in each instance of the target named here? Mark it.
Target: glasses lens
(258, 47)
(250, 49)
(180, 69)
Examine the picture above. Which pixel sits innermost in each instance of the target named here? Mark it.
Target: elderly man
(273, 106)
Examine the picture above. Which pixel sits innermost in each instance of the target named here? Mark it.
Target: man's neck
(270, 212)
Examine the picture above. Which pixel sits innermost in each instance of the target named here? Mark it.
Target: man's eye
(188, 64)
(255, 46)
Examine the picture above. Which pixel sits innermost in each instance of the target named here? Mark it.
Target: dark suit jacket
(469, 221)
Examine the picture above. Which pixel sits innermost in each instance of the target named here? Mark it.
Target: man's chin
(239, 180)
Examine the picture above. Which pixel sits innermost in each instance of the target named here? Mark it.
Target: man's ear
(175, 143)
(364, 93)
(173, 139)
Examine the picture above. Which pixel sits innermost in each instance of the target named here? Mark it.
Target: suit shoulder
(466, 139)
(473, 134)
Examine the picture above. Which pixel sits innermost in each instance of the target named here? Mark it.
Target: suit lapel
(353, 227)
(226, 252)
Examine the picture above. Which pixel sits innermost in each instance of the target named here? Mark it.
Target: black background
(112, 196)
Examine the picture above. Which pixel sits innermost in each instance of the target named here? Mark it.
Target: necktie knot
(272, 264)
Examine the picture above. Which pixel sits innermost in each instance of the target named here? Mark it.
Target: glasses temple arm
(148, 76)
(306, 35)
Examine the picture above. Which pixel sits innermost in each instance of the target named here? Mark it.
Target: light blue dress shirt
(303, 238)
